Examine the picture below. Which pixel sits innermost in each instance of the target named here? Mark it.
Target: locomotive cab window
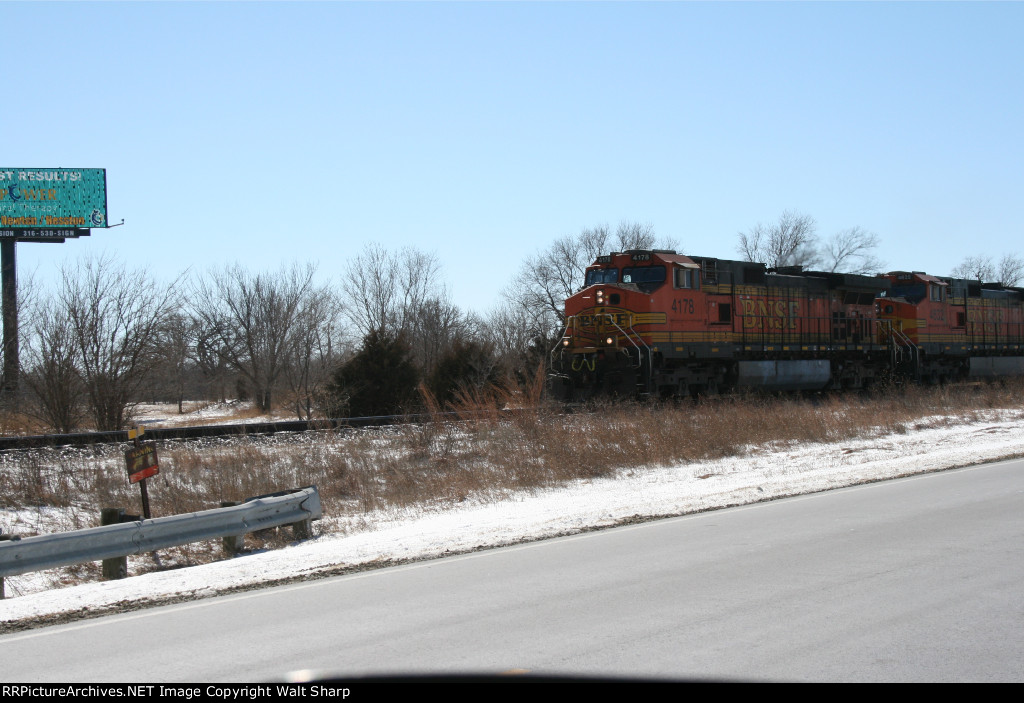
(646, 278)
(935, 293)
(687, 278)
(911, 293)
(596, 276)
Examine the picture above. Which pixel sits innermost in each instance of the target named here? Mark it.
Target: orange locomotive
(654, 322)
(955, 328)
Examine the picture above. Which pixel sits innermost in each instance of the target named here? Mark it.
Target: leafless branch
(852, 251)
(792, 241)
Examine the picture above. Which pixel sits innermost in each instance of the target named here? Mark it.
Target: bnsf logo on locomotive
(606, 316)
(770, 314)
(985, 315)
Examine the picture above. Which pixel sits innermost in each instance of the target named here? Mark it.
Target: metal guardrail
(97, 543)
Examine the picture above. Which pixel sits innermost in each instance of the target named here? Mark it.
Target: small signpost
(142, 463)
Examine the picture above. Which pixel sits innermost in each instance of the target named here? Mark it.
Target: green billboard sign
(53, 197)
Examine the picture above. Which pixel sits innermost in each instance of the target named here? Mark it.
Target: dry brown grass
(488, 451)
(19, 423)
(486, 454)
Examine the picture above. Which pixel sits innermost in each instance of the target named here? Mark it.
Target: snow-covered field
(381, 537)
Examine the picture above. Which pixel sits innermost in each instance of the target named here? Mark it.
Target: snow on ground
(195, 413)
(389, 536)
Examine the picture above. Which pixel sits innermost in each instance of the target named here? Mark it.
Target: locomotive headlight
(610, 341)
(600, 296)
(565, 342)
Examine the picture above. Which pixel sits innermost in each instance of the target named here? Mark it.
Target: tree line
(793, 240)
(385, 338)
(377, 342)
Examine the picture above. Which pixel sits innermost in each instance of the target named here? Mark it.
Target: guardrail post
(116, 567)
(4, 538)
(302, 529)
(232, 544)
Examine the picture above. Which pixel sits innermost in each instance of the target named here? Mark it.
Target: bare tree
(520, 336)
(1011, 270)
(384, 290)
(316, 348)
(434, 326)
(419, 281)
(789, 242)
(211, 356)
(852, 251)
(637, 235)
(175, 349)
(550, 276)
(114, 314)
(402, 295)
(53, 380)
(978, 268)
(1007, 272)
(251, 318)
(370, 290)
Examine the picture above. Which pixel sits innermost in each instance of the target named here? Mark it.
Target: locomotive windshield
(646, 278)
(602, 276)
(913, 293)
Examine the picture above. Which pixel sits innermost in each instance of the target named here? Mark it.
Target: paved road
(916, 579)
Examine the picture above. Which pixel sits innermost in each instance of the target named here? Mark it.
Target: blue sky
(274, 132)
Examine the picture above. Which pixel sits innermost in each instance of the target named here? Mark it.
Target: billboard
(53, 197)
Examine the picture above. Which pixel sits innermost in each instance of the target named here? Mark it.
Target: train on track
(657, 323)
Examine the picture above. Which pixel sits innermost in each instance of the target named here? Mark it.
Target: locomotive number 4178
(682, 305)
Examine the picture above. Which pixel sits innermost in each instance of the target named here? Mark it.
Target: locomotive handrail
(830, 332)
(631, 336)
(650, 355)
(625, 334)
(900, 342)
(571, 322)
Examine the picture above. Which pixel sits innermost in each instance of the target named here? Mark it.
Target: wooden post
(115, 567)
(303, 529)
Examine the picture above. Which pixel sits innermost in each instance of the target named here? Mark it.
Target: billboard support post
(9, 286)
